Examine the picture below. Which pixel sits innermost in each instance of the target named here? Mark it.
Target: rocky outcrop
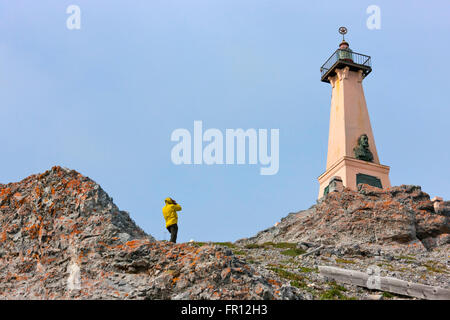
(398, 217)
(397, 231)
(62, 237)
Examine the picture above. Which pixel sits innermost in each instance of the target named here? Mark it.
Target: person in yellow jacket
(171, 217)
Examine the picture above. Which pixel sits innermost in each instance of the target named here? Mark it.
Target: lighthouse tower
(352, 155)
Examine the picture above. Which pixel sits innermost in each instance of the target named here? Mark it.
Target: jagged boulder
(62, 237)
(400, 216)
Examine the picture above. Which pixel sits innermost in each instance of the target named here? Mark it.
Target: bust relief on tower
(362, 151)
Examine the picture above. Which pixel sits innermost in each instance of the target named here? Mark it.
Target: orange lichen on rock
(3, 236)
(73, 184)
(5, 192)
(133, 244)
(274, 282)
(37, 191)
(61, 225)
(33, 230)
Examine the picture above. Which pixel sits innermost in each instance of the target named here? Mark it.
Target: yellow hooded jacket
(170, 213)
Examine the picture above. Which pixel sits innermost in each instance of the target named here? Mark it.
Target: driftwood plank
(372, 280)
(310, 252)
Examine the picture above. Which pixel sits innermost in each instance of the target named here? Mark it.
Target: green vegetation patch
(307, 270)
(293, 252)
(299, 284)
(286, 274)
(273, 265)
(296, 280)
(198, 244)
(435, 267)
(283, 245)
(344, 261)
(226, 244)
(335, 293)
(269, 245)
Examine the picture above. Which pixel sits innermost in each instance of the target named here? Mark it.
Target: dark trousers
(173, 229)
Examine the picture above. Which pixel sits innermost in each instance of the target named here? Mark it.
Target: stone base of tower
(353, 171)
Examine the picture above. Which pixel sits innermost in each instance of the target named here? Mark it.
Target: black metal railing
(346, 56)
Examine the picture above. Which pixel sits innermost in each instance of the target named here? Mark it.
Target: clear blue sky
(105, 99)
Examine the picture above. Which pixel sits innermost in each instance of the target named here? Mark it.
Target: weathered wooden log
(310, 252)
(372, 280)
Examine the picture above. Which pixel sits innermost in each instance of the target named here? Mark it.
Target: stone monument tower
(352, 155)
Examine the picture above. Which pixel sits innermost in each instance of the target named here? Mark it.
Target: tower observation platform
(342, 58)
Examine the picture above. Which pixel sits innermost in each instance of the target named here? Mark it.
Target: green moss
(306, 269)
(332, 294)
(341, 288)
(226, 244)
(289, 261)
(386, 266)
(286, 274)
(239, 252)
(387, 295)
(345, 261)
(435, 267)
(299, 284)
(293, 252)
(335, 293)
(198, 244)
(270, 244)
(283, 245)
